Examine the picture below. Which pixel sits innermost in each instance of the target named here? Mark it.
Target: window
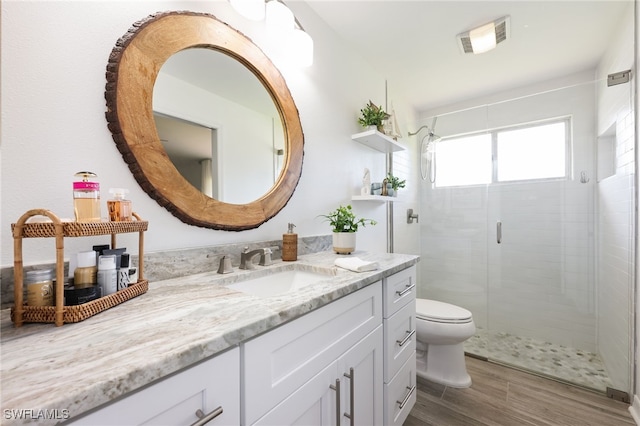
(528, 152)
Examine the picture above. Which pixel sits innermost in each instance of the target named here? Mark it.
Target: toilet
(441, 329)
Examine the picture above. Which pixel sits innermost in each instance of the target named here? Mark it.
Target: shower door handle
(499, 232)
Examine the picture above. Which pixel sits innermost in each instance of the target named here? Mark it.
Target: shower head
(432, 137)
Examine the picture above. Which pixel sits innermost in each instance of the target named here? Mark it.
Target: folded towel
(356, 264)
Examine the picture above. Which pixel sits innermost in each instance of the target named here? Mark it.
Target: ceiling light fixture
(485, 37)
(289, 43)
(279, 17)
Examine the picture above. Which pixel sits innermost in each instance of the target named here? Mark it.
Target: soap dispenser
(290, 245)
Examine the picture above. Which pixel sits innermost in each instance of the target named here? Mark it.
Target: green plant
(396, 182)
(342, 219)
(372, 115)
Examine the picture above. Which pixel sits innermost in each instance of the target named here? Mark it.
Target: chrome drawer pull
(350, 376)
(407, 338)
(406, 290)
(337, 389)
(203, 419)
(406, 398)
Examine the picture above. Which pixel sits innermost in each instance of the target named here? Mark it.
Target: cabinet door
(361, 375)
(279, 362)
(175, 400)
(314, 404)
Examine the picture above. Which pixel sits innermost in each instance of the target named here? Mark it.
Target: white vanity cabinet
(400, 345)
(349, 362)
(323, 368)
(211, 388)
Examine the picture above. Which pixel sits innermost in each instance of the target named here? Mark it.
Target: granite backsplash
(162, 265)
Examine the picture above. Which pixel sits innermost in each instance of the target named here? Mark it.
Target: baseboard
(634, 409)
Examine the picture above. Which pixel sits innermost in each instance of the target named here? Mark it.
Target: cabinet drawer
(175, 400)
(279, 362)
(400, 395)
(399, 289)
(400, 339)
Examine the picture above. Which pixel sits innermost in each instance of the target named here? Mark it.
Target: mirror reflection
(218, 125)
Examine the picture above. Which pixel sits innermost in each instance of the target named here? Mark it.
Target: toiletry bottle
(290, 245)
(85, 274)
(123, 272)
(107, 276)
(86, 198)
(40, 287)
(119, 208)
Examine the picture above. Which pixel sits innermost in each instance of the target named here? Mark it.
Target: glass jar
(39, 283)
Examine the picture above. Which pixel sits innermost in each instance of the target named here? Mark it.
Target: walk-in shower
(528, 207)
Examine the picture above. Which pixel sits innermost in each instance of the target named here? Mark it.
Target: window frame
(568, 147)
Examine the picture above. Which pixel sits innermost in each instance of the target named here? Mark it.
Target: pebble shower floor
(571, 365)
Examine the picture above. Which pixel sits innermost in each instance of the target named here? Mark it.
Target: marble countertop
(178, 322)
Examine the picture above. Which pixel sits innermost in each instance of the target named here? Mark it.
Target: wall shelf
(378, 198)
(378, 141)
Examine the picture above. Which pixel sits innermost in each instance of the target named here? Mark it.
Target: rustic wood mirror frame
(131, 74)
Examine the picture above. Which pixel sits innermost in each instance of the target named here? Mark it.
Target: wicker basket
(77, 313)
(55, 228)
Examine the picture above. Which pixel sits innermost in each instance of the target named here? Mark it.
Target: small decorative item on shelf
(373, 115)
(345, 225)
(366, 183)
(395, 183)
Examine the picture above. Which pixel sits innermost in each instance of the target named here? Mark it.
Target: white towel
(356, 264)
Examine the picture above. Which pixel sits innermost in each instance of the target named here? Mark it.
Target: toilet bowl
(441, 329)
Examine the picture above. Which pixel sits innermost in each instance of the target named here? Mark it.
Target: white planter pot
(344, 242)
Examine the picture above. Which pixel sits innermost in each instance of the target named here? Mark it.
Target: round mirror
(218, 125)
(135, 106)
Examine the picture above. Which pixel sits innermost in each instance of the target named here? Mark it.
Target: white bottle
(107, 274)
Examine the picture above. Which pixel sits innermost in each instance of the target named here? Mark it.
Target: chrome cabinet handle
(406, 290)
(203, 419)
(336, 388)
(407, 338)
(352, 390)
(406, 398)
(499, 232)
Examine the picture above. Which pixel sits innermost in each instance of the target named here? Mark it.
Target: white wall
(53, 61)
(615, 211)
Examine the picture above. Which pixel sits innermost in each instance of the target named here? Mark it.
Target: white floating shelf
(378, 198)
(378, 141)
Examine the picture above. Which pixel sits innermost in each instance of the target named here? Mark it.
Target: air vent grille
(502, 34)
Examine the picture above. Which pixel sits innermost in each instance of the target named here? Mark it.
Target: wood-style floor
(504, 396)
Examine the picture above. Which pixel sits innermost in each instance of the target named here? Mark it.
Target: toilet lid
(440, 311)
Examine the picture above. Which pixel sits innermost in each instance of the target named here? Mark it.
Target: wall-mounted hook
(583, 177)
(411, 215)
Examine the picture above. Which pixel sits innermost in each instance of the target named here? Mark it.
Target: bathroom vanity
(339, 351)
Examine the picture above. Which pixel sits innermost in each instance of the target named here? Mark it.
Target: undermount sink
(280, 282)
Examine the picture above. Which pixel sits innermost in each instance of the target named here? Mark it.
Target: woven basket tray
(77, 313)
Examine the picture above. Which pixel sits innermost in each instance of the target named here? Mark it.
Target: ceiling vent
(493, 33)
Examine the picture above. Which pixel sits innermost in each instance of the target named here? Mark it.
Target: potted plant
(345, 225)
(395, 183)
(373, 115)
